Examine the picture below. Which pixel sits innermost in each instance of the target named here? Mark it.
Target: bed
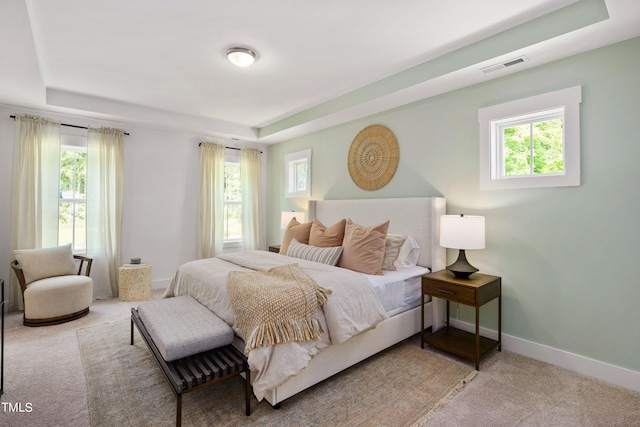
(400, 318)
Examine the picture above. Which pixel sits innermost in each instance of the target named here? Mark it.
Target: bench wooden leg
(179, 411)
(247, 397)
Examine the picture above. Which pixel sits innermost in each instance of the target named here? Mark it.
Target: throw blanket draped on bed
(353, 307)
(275, 306)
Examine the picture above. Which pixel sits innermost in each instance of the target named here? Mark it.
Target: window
(72, 197)
(531, 145)
(232, 232)
(298, 174)
(232, 202)
(532, 142)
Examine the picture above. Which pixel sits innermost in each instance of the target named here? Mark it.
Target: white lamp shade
(286, 218)
(462, 232)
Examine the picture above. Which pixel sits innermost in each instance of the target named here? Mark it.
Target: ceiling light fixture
(240, 56)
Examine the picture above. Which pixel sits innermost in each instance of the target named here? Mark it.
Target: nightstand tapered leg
(500, 320)
(477, 338)
(447, 312)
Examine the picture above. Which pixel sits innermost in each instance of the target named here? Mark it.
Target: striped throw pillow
(312, 253)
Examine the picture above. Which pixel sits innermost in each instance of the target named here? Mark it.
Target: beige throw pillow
(297, 230)
(391, 250)
(326, 237)
(41, 263)
(364, 247)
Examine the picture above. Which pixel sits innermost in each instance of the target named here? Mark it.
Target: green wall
(565, 254)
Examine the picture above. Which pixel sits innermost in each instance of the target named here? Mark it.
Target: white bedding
(398, 290)
(353, 307)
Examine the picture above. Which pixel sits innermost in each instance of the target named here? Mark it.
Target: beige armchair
(54, 289)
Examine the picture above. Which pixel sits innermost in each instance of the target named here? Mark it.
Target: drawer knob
(446, 291)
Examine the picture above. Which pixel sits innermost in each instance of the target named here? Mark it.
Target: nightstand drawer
(452, 292)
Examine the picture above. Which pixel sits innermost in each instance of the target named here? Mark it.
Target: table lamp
(286, 217)
(462, 232)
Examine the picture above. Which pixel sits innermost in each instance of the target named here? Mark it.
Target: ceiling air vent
(509, 63)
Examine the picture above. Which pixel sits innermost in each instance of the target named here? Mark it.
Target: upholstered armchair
(54, 289)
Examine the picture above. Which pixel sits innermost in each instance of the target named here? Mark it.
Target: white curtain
(36, 173)
(251, 184)
(211, 209)
(105, 167)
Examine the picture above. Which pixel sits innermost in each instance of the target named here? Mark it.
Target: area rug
(400, 386)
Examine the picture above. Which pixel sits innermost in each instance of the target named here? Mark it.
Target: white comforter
(353, 307)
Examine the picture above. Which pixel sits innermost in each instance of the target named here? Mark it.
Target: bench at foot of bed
(191, 346)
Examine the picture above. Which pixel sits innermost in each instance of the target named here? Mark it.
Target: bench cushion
(181, 327)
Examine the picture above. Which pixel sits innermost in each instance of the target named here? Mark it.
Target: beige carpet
(397, 387)
(513, 390)
(43, 367)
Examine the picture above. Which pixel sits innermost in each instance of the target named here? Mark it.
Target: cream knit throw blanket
(275, 306)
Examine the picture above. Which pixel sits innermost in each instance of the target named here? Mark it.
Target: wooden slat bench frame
(197, 371)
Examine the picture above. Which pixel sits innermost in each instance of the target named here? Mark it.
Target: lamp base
(461, 268)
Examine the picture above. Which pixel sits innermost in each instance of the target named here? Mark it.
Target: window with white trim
(232, 200)
(72, 193)
(297, 174)
(531, 142)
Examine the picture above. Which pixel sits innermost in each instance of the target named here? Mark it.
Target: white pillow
(312, 253)
(42, 263)
(409, 253)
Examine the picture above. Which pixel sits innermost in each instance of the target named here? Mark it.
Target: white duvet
(353, 307)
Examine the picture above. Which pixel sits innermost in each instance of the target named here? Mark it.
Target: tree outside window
(72, 198)
(533, 148)
(232, 202)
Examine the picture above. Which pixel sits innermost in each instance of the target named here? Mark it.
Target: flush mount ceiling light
(240, 56)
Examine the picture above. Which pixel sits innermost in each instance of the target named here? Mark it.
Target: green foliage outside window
(233, 200)
(301, 175)
(546, 152)
(72, 206)
(73, 172)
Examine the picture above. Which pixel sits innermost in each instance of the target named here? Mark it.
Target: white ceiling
(320, 63)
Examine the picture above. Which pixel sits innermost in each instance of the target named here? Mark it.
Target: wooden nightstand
(475, 291)
(274, 248)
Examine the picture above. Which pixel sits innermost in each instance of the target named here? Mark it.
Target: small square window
(532, 142)
(297, 174)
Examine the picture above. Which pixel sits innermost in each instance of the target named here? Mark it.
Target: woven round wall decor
(373, 157)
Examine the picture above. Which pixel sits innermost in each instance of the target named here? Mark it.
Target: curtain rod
(228, 148)
(71, 126)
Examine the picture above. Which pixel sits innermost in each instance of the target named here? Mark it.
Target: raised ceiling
(320, 63)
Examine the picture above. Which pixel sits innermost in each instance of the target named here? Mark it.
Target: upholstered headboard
(418, 217)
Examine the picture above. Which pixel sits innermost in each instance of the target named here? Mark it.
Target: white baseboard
(617, 375)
